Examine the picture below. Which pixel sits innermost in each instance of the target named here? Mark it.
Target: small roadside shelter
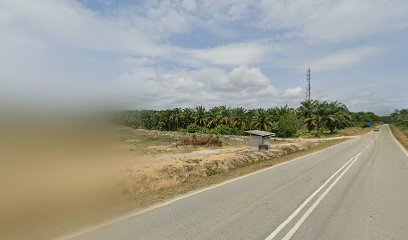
(260, 139)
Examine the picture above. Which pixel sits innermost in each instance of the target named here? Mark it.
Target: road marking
(296, 212)
(316, 203)
(163, 204)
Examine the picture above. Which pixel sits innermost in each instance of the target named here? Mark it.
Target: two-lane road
(354, 190)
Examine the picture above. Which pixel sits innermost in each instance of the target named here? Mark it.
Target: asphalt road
(354, 190)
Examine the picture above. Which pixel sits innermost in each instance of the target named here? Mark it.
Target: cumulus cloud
(235, 53)
(211, 86)
(293, 92)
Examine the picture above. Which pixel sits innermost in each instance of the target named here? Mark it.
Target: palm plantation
(311, 115)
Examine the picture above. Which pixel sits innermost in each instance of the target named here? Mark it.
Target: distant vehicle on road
(377, 129)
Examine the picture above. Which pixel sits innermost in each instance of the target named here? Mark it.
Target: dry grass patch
(355, 131)
(144, 199)
(204, 140)
(400, 135)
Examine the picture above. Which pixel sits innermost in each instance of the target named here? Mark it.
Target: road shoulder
(400, 137)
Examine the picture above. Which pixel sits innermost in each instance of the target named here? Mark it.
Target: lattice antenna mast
(308, 87)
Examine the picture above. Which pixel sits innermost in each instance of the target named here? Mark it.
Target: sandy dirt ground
(151, 160)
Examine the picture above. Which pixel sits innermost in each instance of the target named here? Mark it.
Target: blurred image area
(56, 168)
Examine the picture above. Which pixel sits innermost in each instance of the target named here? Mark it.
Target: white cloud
(68, 24)
(245, 77)
(211, 86)
(293, 92)
(379, 106)
(334, 21)
(160, 19)
(189, 5)
(269, 91)
(235, 53)
(227, 10)
(341, 59)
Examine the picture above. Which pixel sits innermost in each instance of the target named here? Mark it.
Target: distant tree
(166, 120)
(187, 117)
(224, 130)
(261, 120)
(323, 116)
(239, 118)
(148, 119)
(200, 117)
(400, 118)
(176, 117)
(307, 110)
(332, 116)
(288, 124)
(213, 116)
(193, 128)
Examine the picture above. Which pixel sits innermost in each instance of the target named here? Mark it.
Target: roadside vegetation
(313, 118)
(400, 119)
(399, 127)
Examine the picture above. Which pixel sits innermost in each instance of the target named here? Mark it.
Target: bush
(317, 133)
(225, 130)
(363, 125)
(204, 140)
(304, 133)
(182, 130)
(193, 128)
(288, 125)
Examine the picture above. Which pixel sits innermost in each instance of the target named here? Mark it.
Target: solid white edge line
(301, 206)
(399, 144)
(316, 203)
(102, 225)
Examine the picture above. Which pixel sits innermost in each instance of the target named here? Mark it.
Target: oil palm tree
(332, 116)
(214, 116)
(307, 110)
(274, 113)
(224, 115)
(200, 117)
(147, 119)
(261, 120)
(239, 118)
(187, 117)
(166, 120)
(176, 117)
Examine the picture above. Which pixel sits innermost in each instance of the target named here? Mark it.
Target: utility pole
(308, 87)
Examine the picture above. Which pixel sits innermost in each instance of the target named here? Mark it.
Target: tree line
(311, 117)
(400, 119)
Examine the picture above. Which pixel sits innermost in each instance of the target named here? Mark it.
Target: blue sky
(183, 53)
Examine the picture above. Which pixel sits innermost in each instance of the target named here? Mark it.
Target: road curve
(354, 190)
